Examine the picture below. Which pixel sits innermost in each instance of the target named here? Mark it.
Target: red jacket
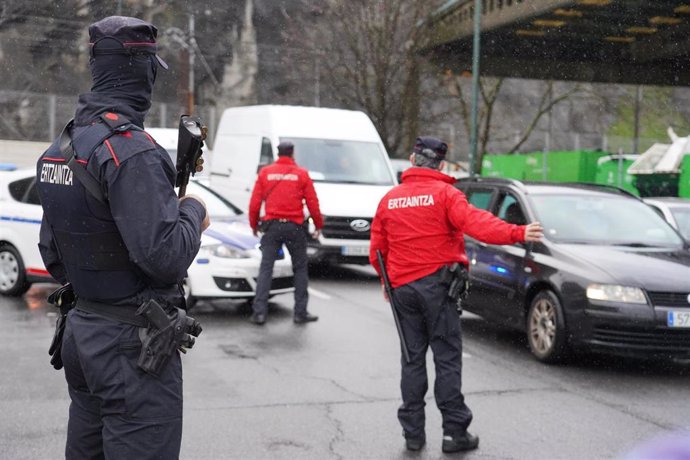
(284, 187)
(419, 226)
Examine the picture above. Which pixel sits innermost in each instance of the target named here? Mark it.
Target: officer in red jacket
(284, 187)
(419, 227)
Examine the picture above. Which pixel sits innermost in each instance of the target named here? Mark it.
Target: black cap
(124, 35)
(286, 148)
(430, 147)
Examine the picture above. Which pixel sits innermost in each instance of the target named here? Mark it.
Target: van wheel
(546, 330)
(12, 273)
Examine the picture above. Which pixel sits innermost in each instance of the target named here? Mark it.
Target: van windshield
(349, 162)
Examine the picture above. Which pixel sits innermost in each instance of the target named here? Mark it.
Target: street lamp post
(475, 86)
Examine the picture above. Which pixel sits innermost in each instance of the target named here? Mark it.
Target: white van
(342, 151)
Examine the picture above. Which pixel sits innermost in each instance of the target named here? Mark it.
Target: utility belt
(161, 333)
(264, 225)
(121, 313)
(457, 278)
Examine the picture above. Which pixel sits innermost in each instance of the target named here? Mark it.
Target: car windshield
(601, 219)
(348, 162)
(218, 207)
(682, 216)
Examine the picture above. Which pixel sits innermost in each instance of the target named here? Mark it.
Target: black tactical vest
(88, 242)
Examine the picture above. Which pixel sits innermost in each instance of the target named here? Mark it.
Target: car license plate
(678, 319)
(354, 250)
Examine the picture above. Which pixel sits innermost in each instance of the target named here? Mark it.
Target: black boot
(305, 318)
(459, 442)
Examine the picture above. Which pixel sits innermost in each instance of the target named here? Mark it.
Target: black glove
(64, 299)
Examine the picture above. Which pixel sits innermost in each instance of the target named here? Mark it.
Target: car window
(601, 219)
(509, 210)
(266, 157)
(217, 206)
(32, 196)
(656, 209)
(18, 188)
(682, 216)
(480, 198)
(345, 162)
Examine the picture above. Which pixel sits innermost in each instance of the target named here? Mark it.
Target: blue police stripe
(19, 219)
(237, 240)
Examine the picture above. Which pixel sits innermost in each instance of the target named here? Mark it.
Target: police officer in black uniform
(131, 244)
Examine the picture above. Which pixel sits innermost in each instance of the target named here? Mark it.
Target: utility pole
(475, 85)
(190, 90)
(638, 105)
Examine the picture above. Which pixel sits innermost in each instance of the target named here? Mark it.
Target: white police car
(20, 221)
(226, 266)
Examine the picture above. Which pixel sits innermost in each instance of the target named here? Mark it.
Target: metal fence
(40, 117)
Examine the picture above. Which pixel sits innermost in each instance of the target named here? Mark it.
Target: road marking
(319, 294)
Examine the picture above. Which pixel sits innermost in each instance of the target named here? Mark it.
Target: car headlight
(225, 251)
(615, 293)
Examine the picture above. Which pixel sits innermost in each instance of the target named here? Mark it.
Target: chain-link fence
(40, 117)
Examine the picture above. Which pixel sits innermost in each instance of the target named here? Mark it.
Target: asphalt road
(329, 390)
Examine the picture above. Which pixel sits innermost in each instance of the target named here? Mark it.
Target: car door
(499, 269)
(481, 197)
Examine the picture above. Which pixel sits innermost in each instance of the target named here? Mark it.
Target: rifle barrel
(396, 317)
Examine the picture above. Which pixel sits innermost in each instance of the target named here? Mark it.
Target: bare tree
(490, 89)
(365, 53)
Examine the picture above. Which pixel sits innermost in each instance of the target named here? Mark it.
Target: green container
(657, 184)
(561, 166)
(504, 166)
(610, 171)
(684, 179)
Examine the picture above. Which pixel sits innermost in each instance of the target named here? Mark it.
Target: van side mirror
(399, 175)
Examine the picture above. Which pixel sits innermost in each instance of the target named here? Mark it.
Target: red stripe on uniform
(62, 160)
(150, 138)
(126, 134)
(112, 153)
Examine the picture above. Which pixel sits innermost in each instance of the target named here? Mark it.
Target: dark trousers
(117, 410)
(293, 237)
(428, 317)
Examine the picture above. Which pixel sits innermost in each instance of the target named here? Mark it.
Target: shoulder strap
(113, 123)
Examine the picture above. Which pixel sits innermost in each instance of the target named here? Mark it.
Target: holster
(458, 281)
(264, 225)
(64, 299)
(165, 334)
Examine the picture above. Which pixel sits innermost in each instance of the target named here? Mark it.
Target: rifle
(191, 136)
(396, 316)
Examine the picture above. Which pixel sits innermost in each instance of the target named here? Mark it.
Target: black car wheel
(12, 275)
(546, 330)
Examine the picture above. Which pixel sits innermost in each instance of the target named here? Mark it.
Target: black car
(610, 274)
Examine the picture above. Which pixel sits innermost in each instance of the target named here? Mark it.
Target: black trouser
(428, 317)
(293, 237)
(117, 410)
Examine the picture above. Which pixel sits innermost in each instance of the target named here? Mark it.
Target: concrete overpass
(613, 41)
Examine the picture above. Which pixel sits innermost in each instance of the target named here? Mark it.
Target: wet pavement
(329, 390)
